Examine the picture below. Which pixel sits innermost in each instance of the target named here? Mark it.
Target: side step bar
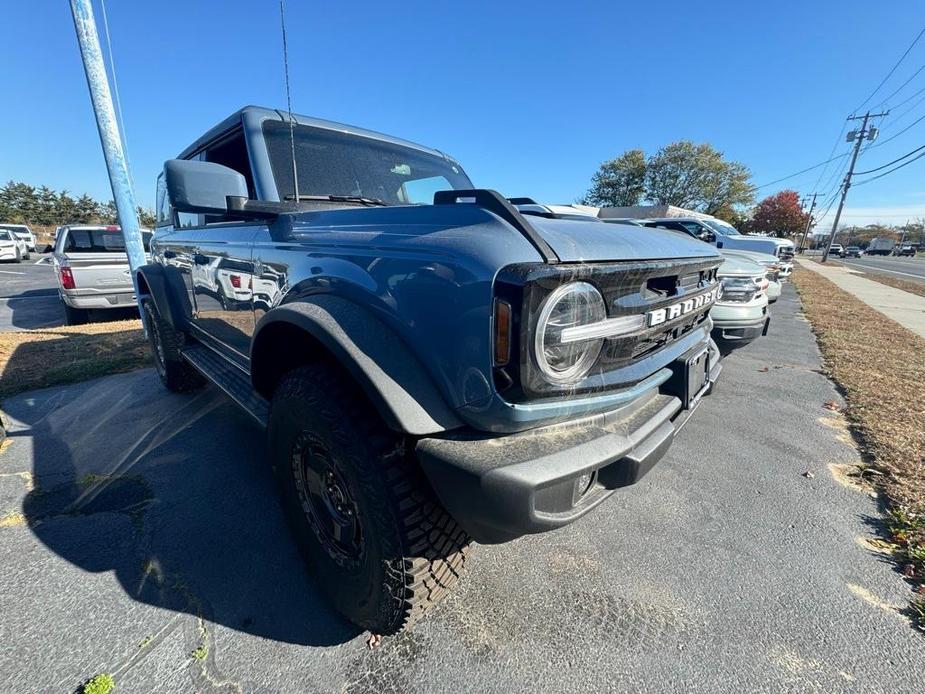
(230, 379)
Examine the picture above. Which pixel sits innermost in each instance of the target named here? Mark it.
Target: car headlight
(562, 359)
(741, 289)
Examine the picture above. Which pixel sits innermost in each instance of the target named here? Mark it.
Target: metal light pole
(110, 138)
(860, 136)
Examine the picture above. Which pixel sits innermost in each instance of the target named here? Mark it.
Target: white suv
(23, 233)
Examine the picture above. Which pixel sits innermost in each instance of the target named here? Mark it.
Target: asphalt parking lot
(740, 563)
(29, 297)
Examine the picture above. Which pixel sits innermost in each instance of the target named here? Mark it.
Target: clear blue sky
(529, 96)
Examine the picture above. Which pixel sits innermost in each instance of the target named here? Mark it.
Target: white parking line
(10, 272)
(42, 260)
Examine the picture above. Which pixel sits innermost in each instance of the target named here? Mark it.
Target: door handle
(169, 254)
(200, 259)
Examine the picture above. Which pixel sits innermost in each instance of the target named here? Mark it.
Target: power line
(892, 70)
(831, 154)
(906, 101)
(894, 136)
(890, 163)
(900, 87)
(895, 168)
(810, 168)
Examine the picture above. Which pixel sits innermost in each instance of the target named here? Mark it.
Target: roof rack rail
(493, 201)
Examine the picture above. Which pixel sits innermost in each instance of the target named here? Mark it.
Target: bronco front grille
(629, 288)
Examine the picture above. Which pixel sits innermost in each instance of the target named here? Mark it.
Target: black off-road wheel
(376, 539)
(175, 373)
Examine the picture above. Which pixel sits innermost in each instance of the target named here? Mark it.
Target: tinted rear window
(99, 241)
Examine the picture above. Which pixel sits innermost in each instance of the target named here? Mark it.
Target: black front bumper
(501, 487)
(741, 331)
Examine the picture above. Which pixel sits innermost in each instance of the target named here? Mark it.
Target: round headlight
(569, 306)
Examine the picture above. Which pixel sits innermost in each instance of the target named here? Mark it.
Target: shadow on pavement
(34, 308)
(171, 493)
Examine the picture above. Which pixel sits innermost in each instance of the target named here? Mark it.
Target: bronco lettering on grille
(682, 308)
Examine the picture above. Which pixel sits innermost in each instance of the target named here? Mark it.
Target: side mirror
(202, 186)
(707, 236)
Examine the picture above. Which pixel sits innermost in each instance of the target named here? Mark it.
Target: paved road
(29, 297)
(153, 528)
(906, 268)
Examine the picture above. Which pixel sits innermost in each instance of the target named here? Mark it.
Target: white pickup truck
(92, 270)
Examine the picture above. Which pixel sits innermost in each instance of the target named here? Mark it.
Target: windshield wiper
(340, 198)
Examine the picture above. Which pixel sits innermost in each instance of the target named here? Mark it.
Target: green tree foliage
(683, 174)
(779, 215)
(24, 204)
(697, 177)
(619, 182)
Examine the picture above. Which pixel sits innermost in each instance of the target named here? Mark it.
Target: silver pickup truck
(92, 270)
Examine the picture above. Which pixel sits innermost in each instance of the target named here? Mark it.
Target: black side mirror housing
(202, 186)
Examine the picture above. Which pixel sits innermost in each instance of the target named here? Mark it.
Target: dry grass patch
(53, 356)
(879, 366)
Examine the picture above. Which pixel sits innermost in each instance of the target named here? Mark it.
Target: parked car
(432, 366)
(852, 252)
(724, 236)
(837, 250)
(12, 247)
(741, 314)
(92, 270)
(771, 266)
(906, 250)
(23, 233)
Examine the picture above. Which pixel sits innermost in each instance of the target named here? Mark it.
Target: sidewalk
(905, 308)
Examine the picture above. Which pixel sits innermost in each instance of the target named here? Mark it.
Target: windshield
(99, 241)
(337, 163)
(721, 227)
(19, 231)
(5, 236)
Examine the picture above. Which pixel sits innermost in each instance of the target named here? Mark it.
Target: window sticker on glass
(401, 170)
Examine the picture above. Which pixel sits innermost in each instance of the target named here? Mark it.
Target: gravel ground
(153, 530)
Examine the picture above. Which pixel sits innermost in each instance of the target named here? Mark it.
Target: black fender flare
(168, 292)
(392, 377)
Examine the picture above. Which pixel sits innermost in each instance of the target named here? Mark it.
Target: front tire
(175, 373)
(378, 542)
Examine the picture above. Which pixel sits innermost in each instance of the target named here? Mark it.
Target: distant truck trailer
(881, 246)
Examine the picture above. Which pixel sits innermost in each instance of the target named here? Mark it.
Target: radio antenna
(295, 170)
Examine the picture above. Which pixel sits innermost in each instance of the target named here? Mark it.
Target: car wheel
(75, 316)
(18, 257)
(378, 542)
(175, 373)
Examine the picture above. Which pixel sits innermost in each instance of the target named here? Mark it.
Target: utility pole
(113, 152)
(859, 136)
(809, 223)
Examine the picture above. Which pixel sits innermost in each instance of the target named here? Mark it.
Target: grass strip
(33, 359)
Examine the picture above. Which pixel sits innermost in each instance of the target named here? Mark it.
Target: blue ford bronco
(431, 365)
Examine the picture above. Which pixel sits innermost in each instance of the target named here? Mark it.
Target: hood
(754, 256)
(458, 226)
(579, 241)
(762, 239)
(736, 266)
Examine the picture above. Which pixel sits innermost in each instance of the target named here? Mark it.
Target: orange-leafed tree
(779, 215)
